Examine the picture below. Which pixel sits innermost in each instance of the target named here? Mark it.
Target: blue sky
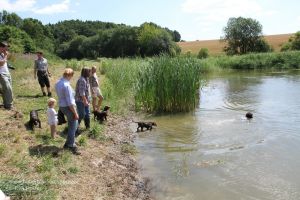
(194, 19)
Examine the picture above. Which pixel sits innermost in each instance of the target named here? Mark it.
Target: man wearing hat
(42, 72)
(5, 78)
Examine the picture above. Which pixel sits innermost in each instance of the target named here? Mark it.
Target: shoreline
(34, 166)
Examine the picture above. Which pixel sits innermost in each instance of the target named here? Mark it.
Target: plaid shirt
(94, 81)
(82, 89)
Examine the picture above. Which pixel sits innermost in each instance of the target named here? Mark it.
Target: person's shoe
(49, 94)
(44, 93)
(74, 150)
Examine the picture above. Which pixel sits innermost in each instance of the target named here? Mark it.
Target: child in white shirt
(52, 116)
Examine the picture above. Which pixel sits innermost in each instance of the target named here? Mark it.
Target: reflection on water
(216, 153)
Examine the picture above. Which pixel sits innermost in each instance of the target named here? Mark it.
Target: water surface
(216, 153)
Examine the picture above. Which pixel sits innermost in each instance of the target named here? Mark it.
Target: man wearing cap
(5, 78)
(42, 72)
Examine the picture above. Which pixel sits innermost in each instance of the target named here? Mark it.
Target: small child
(52, 116)
(95, 90)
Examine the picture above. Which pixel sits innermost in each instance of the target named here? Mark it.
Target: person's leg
(53, 130)
(94, 102)
(41, 82)
(72, 126)
(47, 83)
(100, 99)
(81, 111)
(5, 81)
(87, 117)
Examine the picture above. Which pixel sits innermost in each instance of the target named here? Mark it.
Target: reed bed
(257, 61)
(168, 85)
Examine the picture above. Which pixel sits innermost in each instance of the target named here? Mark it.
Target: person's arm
(71, 102)
(4, 59)
(34, 71)
(49, 74)
(82, 89)
(73, 110)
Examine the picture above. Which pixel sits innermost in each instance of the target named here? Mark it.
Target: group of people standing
(77, 107)
(74, 105)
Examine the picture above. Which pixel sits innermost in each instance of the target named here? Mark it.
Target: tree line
(93, 39)
(87, 39)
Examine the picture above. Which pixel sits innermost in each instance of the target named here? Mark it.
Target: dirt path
(107, 172)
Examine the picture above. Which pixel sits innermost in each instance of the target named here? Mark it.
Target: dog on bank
(100, 116)
(147, 125)
(34, 119)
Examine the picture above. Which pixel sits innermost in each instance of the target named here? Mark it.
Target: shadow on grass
(41, 150)
(30, 96)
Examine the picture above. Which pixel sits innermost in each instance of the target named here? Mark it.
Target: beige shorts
(96, 92)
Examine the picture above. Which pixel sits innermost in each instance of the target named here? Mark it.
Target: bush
(203, 53)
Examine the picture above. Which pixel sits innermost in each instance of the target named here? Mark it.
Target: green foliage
(2, 149)
(154, 40)
(89, 39)
(73, 170)
(259, 61)
(20, 189)
(46, 165)
(203, 53)
(168, 85)
(82, 141)
(19, 41)
(96, 132)
(293, 43)
(10, 19)
(75, 64)
(244, 35)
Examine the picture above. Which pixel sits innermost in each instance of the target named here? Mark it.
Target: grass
(34, 154)
(168, 85)
(129, 149)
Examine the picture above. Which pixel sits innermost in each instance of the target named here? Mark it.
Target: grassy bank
(256, 61)
(34, 166)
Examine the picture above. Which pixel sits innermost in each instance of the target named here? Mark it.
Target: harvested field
(215, 47)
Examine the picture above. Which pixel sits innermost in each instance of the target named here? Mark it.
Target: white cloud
(19, 5)
(30, 5)
(54, 8)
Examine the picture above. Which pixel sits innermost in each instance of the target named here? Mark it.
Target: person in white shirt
(52, 116)
(95, 90)
(5, 77)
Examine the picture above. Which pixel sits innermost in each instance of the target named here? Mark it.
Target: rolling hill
(215, 47)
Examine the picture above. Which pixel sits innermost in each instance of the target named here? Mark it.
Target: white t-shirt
(3, 69)
(52, 116)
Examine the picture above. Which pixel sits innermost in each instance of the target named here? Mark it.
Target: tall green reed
(168, 84)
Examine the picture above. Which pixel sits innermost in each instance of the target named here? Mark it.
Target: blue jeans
(7, 95)
(84, 113)
(72, 126)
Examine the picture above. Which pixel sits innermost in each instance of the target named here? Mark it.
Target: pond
(216, 153)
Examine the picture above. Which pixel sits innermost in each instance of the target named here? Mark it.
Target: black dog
(249, 115)
(34, 119)
(100, 116)
(147, 125)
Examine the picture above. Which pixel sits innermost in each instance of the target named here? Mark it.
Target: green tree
(243, 35)
(154, 40)
(293, 43)
(11, 19)
(124, 42)
(19, 40)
